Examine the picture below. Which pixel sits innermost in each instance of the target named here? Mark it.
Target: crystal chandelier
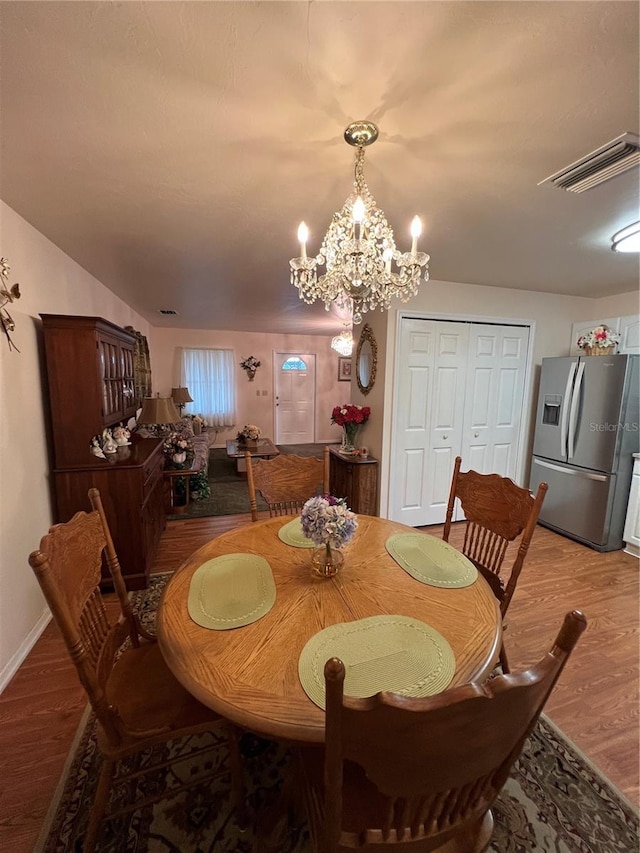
(343, 343)
(358, 249)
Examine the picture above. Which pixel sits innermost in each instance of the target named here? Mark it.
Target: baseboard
(23, 650)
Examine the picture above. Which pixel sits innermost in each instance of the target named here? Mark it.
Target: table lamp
(181, 397)
(158, 410)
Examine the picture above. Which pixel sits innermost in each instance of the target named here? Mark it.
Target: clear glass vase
(326, 561)
(349, 435)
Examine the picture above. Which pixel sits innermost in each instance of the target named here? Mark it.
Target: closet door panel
(494, 398)
(409, 462)
(447, 403)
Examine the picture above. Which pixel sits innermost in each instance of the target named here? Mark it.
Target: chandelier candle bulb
(303, 236)
(358, 217)
(416, 231)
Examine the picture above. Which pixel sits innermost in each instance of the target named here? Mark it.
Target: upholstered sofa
(200, 438)
(201, 443)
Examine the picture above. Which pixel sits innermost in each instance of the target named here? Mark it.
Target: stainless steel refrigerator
(586, 432)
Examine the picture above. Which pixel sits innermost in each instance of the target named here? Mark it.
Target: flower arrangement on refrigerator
(601, 336)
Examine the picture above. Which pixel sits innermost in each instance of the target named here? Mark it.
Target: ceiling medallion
(358, 249)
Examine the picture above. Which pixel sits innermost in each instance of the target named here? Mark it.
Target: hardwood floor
(595, 703)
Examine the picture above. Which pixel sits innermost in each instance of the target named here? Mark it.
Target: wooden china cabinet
(91, 385)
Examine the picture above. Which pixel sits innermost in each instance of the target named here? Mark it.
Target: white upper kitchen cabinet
(627, 327)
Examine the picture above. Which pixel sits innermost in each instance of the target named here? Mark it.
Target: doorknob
(445, 437)
(476, 434)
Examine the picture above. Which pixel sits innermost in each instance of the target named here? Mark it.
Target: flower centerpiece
(350, 417)
(330, 524)
(250, 364)
(249, 434)
(599, 341)
(177, 449)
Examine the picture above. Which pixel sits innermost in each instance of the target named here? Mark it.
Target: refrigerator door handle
(573, 415)
(565, 409)
(572, 472)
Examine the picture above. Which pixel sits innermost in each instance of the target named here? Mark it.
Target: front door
(294, 382)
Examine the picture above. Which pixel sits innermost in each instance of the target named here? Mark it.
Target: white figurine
(95, 448)
(121, 435)
(108, 444)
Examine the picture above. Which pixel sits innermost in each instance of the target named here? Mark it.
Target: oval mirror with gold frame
(366, 360)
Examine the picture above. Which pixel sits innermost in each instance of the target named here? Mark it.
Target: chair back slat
(424, 770)
(94, 627)
(286, 482)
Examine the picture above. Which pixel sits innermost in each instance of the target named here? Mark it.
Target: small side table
(264, 449)
(355, 479)
(171, 475)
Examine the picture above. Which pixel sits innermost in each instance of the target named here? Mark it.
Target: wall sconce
(7, 295)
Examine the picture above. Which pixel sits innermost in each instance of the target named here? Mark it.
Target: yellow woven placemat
(292, 534)
(231, 591)
(431, 560)
(394, 653)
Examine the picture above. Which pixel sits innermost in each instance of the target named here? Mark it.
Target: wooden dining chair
(497, 512)
(286, 482)
(136, 699)
(422, 774)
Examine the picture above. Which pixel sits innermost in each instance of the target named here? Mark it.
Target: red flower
(349, 413)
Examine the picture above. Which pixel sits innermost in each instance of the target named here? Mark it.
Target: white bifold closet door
(460, 392)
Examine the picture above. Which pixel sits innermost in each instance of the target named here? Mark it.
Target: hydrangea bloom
(327, 520)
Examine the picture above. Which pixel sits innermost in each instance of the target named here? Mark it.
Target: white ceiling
(172, 148)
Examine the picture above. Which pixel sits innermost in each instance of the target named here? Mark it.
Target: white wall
(251, 408)
(50, 283)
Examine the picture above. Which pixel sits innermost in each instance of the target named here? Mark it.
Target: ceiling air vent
(168, 311)
(612, 159)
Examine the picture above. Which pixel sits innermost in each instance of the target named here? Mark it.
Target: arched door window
(294, 363)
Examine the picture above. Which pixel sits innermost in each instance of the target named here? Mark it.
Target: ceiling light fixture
(627, 239)
(358, 249)
(343, 343)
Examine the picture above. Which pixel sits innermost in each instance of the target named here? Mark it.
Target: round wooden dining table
(250, 674)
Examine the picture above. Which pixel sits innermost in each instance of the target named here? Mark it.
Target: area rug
(555, 800)
(228, 493)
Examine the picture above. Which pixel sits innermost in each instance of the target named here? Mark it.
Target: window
(294, 363)
(209, 376)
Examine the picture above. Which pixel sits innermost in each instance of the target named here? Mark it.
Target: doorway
(295, 413)
(462, 386)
